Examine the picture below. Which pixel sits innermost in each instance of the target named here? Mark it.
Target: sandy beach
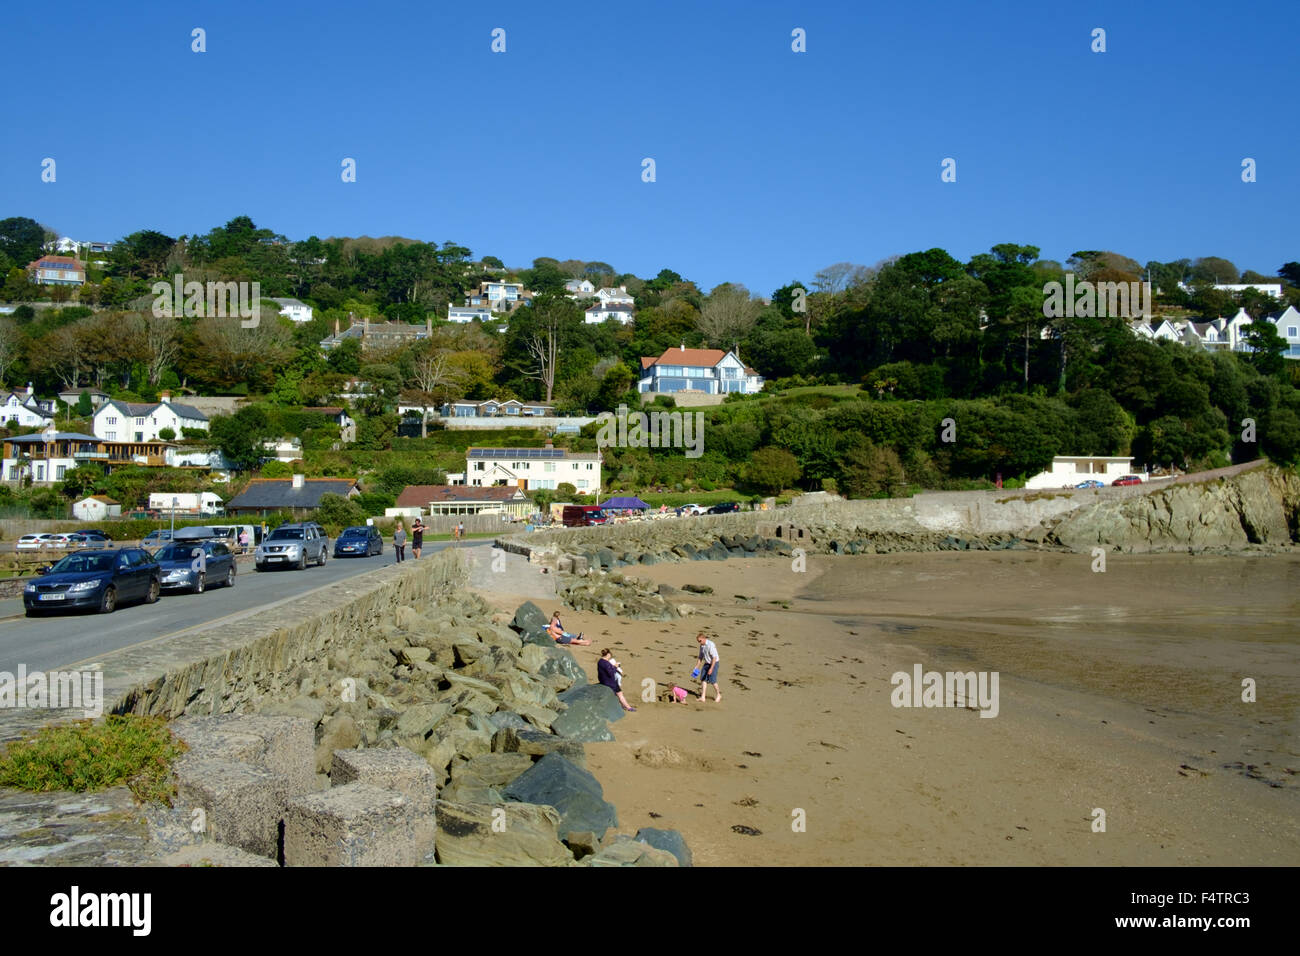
(1118, 691)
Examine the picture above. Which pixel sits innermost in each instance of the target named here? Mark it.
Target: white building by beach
(530, 468)
(1068, 470)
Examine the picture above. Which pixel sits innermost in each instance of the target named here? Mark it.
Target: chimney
(336, 326)
(298, 480)
(30, 392)
(549, 443)
(352, 320)
(428, 325)
(683, 346)
(365, 325)
(164, 397)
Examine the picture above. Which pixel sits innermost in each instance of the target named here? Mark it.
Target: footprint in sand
(752, 753)
(746, 802)
(747, 831)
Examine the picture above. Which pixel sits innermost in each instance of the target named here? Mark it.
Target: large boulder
(529, 618)
(588, 709)
(561, 667)
(478, 835)
(670, 841)
(577, 795)
(625, 851)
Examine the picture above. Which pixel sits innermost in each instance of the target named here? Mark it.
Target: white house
(579, 288)
(710, 371)
(468, 313)
(57, 270)
(1273, 289)
(21, 408)
(96, 508)
(619, 296)
(71, 396)
(293, 310)
(1288, 326)
(500, 296)
(530, 468)
(141, 422)
(493, 408)
(1068, 470)
(603, 311)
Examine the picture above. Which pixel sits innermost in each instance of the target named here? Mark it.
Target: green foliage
(772, 470)
(167, 434)
(276, 469)
(337, 512)
(89, 756)
(85, 407)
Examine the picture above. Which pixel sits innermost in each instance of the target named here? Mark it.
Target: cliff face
(1256, 507)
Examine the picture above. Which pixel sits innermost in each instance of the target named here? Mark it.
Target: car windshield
(282, 534)
(82, 563)
(178, 552)
(353, 533)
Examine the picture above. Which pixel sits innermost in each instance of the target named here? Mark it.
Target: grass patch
(87, 755)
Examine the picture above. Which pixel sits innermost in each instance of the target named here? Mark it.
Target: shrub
(194, 432)
(166, 434)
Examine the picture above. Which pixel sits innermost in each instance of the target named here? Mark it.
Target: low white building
(603, 311)
(469, 313)
(1068, 470)
(293, 310)
(1273, 289)
(579, 289)
(96, 508)
(611, 296)
(530, 468)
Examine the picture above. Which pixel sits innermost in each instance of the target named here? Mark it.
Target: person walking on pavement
(399, 542)
(417, 538)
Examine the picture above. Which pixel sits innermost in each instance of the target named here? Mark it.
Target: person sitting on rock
(561, 636)
(611, 675)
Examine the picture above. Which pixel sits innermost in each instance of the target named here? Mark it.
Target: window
(40, 472)
(111, 436)
(58, 472)
(550, 467)
(139, 421)
(589, 466)
(111, 420)
(478, 466)
(582, 483)
(1291, 331)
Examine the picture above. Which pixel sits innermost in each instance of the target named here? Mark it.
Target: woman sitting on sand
(561, 636)
(611, 675)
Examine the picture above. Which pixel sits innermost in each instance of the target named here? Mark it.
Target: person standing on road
(399, 542)
(243, 541)
(708, 668)
(460, 531)
(417, 538)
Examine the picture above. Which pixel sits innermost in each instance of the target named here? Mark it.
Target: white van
(231, 532)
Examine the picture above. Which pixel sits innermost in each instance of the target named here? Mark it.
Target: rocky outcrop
(1255, 508)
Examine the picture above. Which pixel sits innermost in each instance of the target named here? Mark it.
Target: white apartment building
(139, 422)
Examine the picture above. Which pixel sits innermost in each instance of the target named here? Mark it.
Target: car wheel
(259, 566)
(108, 602)
(33, 612)
(324, 553)
(302, 561)
(200, 583)
(155, 589)
(230, 577)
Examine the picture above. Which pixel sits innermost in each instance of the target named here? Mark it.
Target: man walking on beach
(708, 668)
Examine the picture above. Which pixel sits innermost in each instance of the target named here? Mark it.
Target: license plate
(275, 557)
(53, 597)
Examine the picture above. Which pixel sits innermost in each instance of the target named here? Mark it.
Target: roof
(324, 409)
(417, 496)
(57, 436)
(680, 356)
(280, 492)
(56, 261)
(78, 391)
(140, 409)
(532, 454)
(290, 302)
(106, 499)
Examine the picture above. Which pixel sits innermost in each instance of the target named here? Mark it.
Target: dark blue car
(359, 542)
(95, 579)
(196, 565)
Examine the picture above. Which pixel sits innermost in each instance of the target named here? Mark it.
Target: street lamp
(172, 536)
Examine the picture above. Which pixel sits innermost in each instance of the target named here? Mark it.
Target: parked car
(155, 539)
(1127, 480)
(1090, 483)
(361, 541)
(36, 542)
(193, 565)
(725, 508)
(89, 539)
(692, 509)
(582, 516)
(292, 545)
(95, 579)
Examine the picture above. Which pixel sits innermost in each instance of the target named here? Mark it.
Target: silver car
(292, 546)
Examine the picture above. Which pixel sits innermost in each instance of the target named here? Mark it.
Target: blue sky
(770, 164)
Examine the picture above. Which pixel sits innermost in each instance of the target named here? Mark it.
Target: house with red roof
(703, 371)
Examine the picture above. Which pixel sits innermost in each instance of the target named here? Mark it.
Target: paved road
(79, 638)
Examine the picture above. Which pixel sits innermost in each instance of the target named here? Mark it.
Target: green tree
(21, 239)
(86, 408)
(1267, 347)
(871, 469)
(771, 470)
(336, 512)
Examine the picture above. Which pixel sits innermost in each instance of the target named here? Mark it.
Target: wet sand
(1119, 691)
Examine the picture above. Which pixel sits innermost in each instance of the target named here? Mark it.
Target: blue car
(1090, 483)
(196, 565)
(99, 580)
(359, 542)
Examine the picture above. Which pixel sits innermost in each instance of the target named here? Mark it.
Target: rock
(526, 835)
(753, 543)
(588, 708)
(529, 618)
(493, 770)
(697, 588)
(667, 590)
(536, 743)
(627, 852)
(669, 841)
(604, 558)
(560, 663)
(582, 843)
(575, 793)
(394, 769)
(420, 719)
(504, 719)
(648, 558)
(306, 707)
(340, 733)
